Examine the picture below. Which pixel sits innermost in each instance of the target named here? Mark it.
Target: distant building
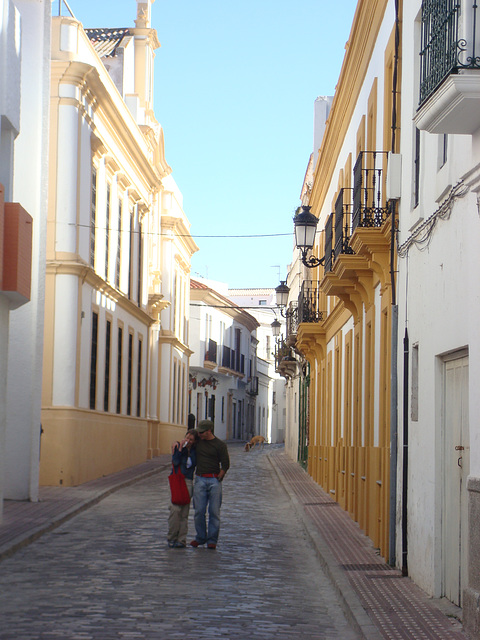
(271, 408)
(224, 380)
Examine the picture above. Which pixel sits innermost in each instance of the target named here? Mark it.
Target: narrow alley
(107, 573)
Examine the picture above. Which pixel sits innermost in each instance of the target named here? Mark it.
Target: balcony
(285, 362)
(309, 309)
(369, 201)
(232, 362)
(253, 386)
(210, 361)
(291, 322)
(450, 68)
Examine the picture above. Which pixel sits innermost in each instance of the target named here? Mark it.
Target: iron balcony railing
(233, 360)
(343, 223)
(449, 42)
(328, 264)
(292, 318)
(309, 302)
(253, 388)
(211, 352)
(282, 350)
(226, 357)
(369, 202)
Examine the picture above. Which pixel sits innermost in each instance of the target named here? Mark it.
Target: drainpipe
(405, 454)
(394, 327)
(393, 438)
(393, 403)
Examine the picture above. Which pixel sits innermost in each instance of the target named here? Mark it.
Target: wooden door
(456, 465)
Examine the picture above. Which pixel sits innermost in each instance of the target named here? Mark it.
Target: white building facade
(439, 303)
(224, 381)
(271, 400)
(24, 90)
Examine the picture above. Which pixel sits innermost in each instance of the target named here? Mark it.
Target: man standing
(212, 464)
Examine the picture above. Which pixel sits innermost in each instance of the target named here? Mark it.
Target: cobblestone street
(107, 573)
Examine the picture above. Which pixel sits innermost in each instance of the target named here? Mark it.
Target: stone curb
(351, 605)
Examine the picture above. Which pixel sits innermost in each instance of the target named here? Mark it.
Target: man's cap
(205, 425)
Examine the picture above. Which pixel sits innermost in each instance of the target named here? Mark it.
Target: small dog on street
(254, 441)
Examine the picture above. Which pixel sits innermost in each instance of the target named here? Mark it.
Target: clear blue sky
(235, 84)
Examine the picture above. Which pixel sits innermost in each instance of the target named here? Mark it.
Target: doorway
(456, 457)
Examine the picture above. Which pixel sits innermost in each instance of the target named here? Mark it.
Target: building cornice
(86, 275)
(168, 337)
(209, 297)
(180, 232)
(359, 48)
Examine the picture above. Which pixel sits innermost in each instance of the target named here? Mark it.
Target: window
(107, 231)
(238, 338)
(139, 378)
(443, 150)
(414, 399)
(93, 213)
(130, 374)
(140, 270)
(93, 361)
(119, 369)
(130, 252)
(416, 177)
(106, 391)
(119, 247)
(262, 303)
(174, 390)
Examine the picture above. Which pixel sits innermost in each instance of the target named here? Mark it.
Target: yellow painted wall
(78, 446)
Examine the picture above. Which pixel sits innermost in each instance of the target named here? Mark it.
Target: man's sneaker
(171, 543)
(211, 546)
(194, 543)
(179, 545)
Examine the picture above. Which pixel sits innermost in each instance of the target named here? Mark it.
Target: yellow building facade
(349, 347)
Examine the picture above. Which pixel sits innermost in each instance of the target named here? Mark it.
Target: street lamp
(305, 229)
(276, 326)
(281, 293)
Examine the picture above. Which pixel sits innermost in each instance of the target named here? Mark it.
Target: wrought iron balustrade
(282, 350)
(309, 303)
(343, 223)
(211, 352)
(328, 244)
(292, 318)
(226, 357)
(449, 42)
(253, 388)
(369, 202)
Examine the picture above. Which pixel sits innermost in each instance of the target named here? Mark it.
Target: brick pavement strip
(108, 574)
(382, 602)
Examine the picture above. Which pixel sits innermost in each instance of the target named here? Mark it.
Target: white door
(456, 461)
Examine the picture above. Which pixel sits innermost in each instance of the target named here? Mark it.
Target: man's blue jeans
(207, 491)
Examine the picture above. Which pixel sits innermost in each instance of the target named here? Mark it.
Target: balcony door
(456, 464)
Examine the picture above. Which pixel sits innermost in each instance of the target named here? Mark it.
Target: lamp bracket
(312, 261)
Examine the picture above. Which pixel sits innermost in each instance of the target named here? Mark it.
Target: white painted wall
(440, 306)
(29, 187)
